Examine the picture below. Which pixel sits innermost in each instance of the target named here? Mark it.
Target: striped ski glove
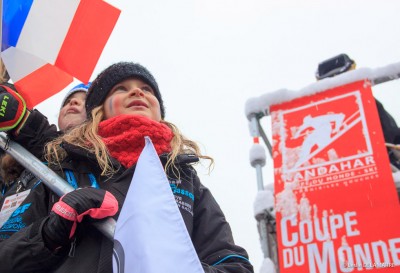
(74, 207)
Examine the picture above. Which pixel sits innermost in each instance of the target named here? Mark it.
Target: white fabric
(150, 228)
(396, 177)
(47, 18)
(20, 63)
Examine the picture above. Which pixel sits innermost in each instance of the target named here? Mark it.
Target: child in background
(20, 188)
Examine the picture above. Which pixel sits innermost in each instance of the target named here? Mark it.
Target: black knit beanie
(115, 74)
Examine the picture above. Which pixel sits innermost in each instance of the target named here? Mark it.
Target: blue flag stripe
(15, 13)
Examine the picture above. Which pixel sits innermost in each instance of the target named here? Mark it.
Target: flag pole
(52, 180)
(1, 26)
(1, 21)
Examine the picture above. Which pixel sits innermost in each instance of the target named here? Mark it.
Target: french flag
(151, 235)
(45, 43)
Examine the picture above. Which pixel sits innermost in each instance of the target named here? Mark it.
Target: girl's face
(132, 97)
(73, 112)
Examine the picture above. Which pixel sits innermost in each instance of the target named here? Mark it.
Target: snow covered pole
(381, 79)
(264, 203)
(257, 153)
(257, 160)
(52, 180)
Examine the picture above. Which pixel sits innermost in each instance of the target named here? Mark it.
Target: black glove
(12, 108)
(72, 208)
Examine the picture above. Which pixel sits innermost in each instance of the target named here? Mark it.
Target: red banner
(337, 208)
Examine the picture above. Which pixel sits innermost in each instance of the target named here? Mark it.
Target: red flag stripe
(89, 31)
(38, 86)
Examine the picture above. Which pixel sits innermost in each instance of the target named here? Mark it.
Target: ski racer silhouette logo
(317, 142)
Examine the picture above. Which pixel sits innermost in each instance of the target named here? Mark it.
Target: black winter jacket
(211, 235)
(19, 196)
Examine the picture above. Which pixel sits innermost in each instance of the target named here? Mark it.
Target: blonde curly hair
(4, 77)
(86, 136)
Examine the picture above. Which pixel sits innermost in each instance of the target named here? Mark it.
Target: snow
(267, 266)
(257, 155)
(253, 129)
(264, 202)
(262, 103)
(251, 105)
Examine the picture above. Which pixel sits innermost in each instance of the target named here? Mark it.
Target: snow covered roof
(261, 104)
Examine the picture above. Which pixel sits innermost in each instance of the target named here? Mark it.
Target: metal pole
(260, 184)
(382, 79)
(52, 180)
(264, 137)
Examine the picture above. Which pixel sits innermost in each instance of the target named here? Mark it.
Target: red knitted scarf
(124, 137)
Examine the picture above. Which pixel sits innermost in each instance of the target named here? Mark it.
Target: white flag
(150, 235)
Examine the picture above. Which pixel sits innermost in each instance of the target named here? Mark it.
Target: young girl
(123, 106)
(19, 182)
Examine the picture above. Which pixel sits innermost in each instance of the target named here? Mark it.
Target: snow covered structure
(267, 202)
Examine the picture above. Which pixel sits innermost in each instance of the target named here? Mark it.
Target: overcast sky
(210, 56)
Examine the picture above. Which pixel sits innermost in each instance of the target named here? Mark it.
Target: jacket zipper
(72, 249)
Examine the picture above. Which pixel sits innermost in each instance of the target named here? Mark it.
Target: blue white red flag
(47, 42)
(150, 235)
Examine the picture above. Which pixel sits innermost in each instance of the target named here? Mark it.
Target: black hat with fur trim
(115, 74)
